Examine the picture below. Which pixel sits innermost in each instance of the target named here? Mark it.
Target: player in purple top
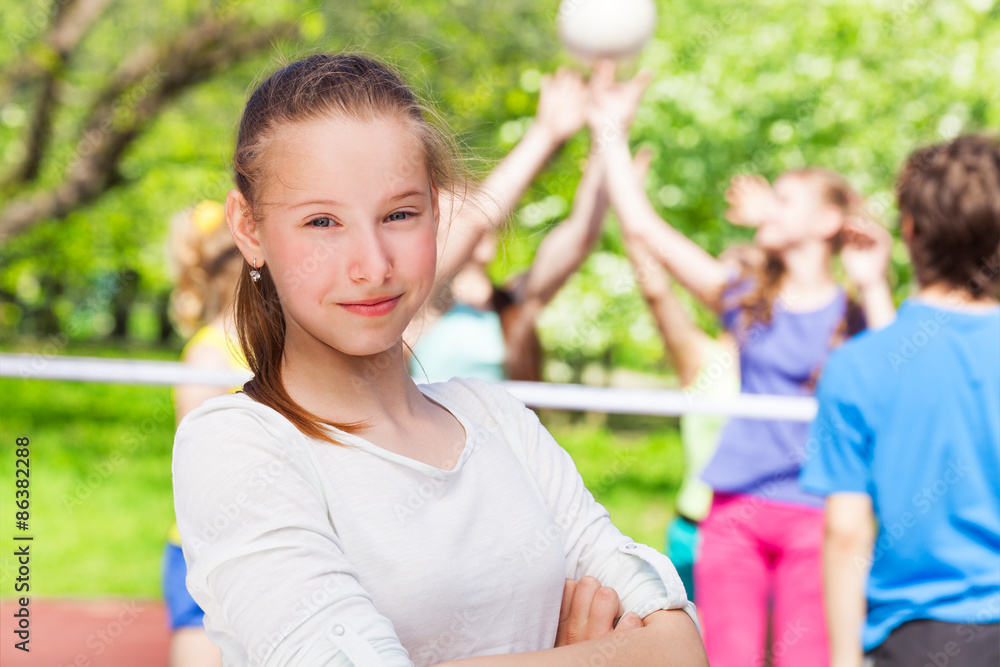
(762, 537)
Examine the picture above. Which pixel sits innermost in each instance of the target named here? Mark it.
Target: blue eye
(322, 222)
(397, 216)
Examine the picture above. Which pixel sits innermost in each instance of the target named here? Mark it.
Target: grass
(101, 501)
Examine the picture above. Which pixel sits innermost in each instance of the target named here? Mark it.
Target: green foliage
(741, 86)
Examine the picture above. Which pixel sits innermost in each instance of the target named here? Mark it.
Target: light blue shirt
(911, 416)
(464, 342)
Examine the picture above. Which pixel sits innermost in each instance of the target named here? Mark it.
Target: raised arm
(489, 206)
(564, 248)
(865, 256)
(688, 262)
(686, 343)
(610, 117)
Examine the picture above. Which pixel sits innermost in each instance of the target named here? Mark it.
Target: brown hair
(205, 262)
(836, 191)
(346, 86)
(952, 193)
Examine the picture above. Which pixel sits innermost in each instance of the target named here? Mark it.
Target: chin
(368, 348)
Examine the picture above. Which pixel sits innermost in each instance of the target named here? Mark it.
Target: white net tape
(657, 402)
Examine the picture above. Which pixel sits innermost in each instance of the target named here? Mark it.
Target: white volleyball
(606, 28)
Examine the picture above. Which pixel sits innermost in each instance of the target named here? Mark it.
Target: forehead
(345, 160)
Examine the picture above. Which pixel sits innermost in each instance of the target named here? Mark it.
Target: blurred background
(117, 114)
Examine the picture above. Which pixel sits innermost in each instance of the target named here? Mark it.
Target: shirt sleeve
(644, 578)
(732, 294)
(839, 448)
(264, 561)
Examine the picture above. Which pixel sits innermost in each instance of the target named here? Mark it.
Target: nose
(371, 261)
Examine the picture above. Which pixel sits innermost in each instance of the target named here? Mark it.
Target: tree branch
(137, 93)
(71, 19)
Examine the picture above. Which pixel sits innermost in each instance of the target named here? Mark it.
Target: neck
(808, 278)
(955, 298)
(345, 388)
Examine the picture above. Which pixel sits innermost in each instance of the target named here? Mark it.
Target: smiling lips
(372, 307)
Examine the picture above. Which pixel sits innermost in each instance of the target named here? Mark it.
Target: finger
(629, 621)
(640, 82)
(567, 599)
(583, 598)
(603, 611)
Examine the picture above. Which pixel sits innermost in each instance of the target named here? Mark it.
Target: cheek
(420, 255)
(301, 270)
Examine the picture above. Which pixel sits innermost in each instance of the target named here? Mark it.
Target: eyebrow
(402, 195)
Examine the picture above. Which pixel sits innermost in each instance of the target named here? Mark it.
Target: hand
(613, 105)
(589, 611)
(751, 200)
(866, 251)
(561, 104)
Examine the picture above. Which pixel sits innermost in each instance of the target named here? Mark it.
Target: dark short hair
(951, 191)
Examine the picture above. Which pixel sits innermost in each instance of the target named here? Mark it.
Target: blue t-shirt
(911, 416)
(763, 456)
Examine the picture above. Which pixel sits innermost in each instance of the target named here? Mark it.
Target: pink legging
(753, 550)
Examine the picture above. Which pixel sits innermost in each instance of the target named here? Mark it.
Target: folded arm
(667, 639)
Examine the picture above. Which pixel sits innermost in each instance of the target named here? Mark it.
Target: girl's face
(348, 227)
(800, 216)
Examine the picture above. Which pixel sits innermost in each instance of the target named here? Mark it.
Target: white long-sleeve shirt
(306, 553)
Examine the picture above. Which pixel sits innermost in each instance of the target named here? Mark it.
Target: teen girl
(762, 537)
(337, 514)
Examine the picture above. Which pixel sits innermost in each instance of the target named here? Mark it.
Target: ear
(906, 227)
(243, 228)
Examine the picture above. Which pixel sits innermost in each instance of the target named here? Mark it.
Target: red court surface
(86, 633)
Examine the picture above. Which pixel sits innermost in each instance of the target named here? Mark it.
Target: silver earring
(254, 273)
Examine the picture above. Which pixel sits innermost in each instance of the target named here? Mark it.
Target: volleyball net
(539, 395)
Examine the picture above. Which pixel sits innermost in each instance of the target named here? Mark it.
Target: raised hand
(750, 200)
(866, 251)
(613, 105)
(562, 103)
(590, 611)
